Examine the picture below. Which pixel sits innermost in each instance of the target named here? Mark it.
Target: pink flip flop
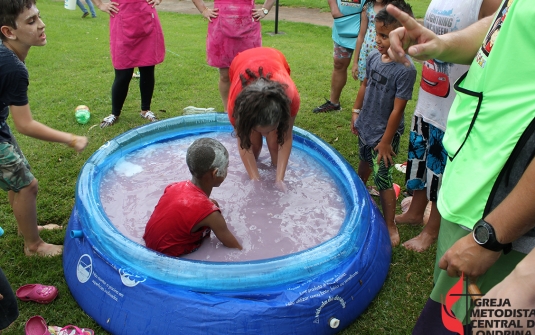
(36, 325)
(42, 294)
(70, 330)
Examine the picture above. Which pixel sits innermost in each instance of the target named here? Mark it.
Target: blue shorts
(426, 158)
(382, 175)
(14, 168)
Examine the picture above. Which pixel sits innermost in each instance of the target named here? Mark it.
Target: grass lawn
(75, 68)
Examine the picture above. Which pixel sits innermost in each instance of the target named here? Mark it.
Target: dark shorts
(382, 175)
(9, 310)
(14, 168)
(426, 158)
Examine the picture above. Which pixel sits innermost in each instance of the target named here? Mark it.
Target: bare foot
(420, 243)
(44, 250)
(394, 235)
(405, 218)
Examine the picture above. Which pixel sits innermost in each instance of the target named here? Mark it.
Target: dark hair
(10, 11)
(206, 154)
(262, 102)
(387, 19)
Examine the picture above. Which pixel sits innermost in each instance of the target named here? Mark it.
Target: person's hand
(468, 257)
(281, 186)
(109, 7)
(209, 13)
(154, 3)
(78, 143)
(385, 153)
(355, 70)
(354, 117)
(413, 38)
(258, 14)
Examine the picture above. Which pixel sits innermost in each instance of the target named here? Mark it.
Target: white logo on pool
(130, 279)
(84, 268)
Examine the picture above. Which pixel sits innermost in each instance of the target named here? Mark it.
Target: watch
(485, 236)
(265, 11)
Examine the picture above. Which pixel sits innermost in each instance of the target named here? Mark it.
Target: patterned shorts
(341, 52)
(14, 168)
(382, 175)
(426, 159)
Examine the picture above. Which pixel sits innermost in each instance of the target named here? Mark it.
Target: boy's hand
(385, 153)
(355, 70)
(78, 143)
(354, 117)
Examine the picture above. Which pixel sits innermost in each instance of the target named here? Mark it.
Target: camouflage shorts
(14, 168)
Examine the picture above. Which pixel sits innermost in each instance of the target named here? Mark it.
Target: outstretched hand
(154, 3)
(413, 38)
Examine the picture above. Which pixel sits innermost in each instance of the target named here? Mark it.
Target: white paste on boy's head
(206, 154)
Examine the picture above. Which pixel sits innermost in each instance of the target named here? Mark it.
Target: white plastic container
(70, 4)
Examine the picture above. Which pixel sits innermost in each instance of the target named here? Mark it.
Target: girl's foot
(109, 121)
(149, 116)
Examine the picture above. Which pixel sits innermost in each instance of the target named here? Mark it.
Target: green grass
(418, 6)
(75, 68)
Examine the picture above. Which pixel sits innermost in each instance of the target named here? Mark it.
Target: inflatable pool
(129, 289)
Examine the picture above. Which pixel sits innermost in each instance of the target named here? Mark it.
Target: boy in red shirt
(185, 214)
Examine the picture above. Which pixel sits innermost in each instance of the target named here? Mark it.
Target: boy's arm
(360, 41)
(335, 11)
(217, 223)
(384, 148)
(25, 124)
(359, 102)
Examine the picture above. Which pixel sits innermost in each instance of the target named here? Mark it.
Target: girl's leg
(82, 7)
(146, 86)
(119, 90)
(224, 86)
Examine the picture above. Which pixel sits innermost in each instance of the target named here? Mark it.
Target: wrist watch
(485, 236)
(265, 11)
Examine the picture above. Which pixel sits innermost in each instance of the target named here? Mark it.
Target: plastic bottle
(1, 231)
(82, 114)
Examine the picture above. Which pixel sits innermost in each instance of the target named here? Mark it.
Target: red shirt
(273, 62)
(181, 207)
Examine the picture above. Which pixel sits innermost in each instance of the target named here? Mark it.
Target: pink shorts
(233, 31)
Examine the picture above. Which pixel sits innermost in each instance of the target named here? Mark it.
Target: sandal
(70, 330)
(149, 116)
(108, 121)
(42, 294)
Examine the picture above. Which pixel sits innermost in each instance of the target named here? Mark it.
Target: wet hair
(206, 154)
(10, 11)
(387, 19)
(262, 102)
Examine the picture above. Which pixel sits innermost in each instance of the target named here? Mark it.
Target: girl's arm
(249, 161)
(360, 41)
(110, 7)
(284, 153)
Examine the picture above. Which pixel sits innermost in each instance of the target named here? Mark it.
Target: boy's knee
(31, 188)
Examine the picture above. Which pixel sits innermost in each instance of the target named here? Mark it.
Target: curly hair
(206, 154)
(262, 102)
(384, 17)
(10, 11)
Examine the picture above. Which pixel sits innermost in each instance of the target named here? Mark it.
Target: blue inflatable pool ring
(129, 289)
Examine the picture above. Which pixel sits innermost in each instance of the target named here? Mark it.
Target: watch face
(481, 234)
(266, 12)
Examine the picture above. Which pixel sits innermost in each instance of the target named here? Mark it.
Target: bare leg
(25, 210)
(364, 171)
(224, 86)
(388, 204)
(415, 214)
(338, 78)
(428, 235)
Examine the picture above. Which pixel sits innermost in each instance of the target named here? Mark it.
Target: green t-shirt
(495, 115)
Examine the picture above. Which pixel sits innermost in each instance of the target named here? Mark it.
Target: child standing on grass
(21, 28)
(378, 119)
(366, 41)
(185, 215)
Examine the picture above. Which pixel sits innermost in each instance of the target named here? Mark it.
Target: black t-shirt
(14, 81)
